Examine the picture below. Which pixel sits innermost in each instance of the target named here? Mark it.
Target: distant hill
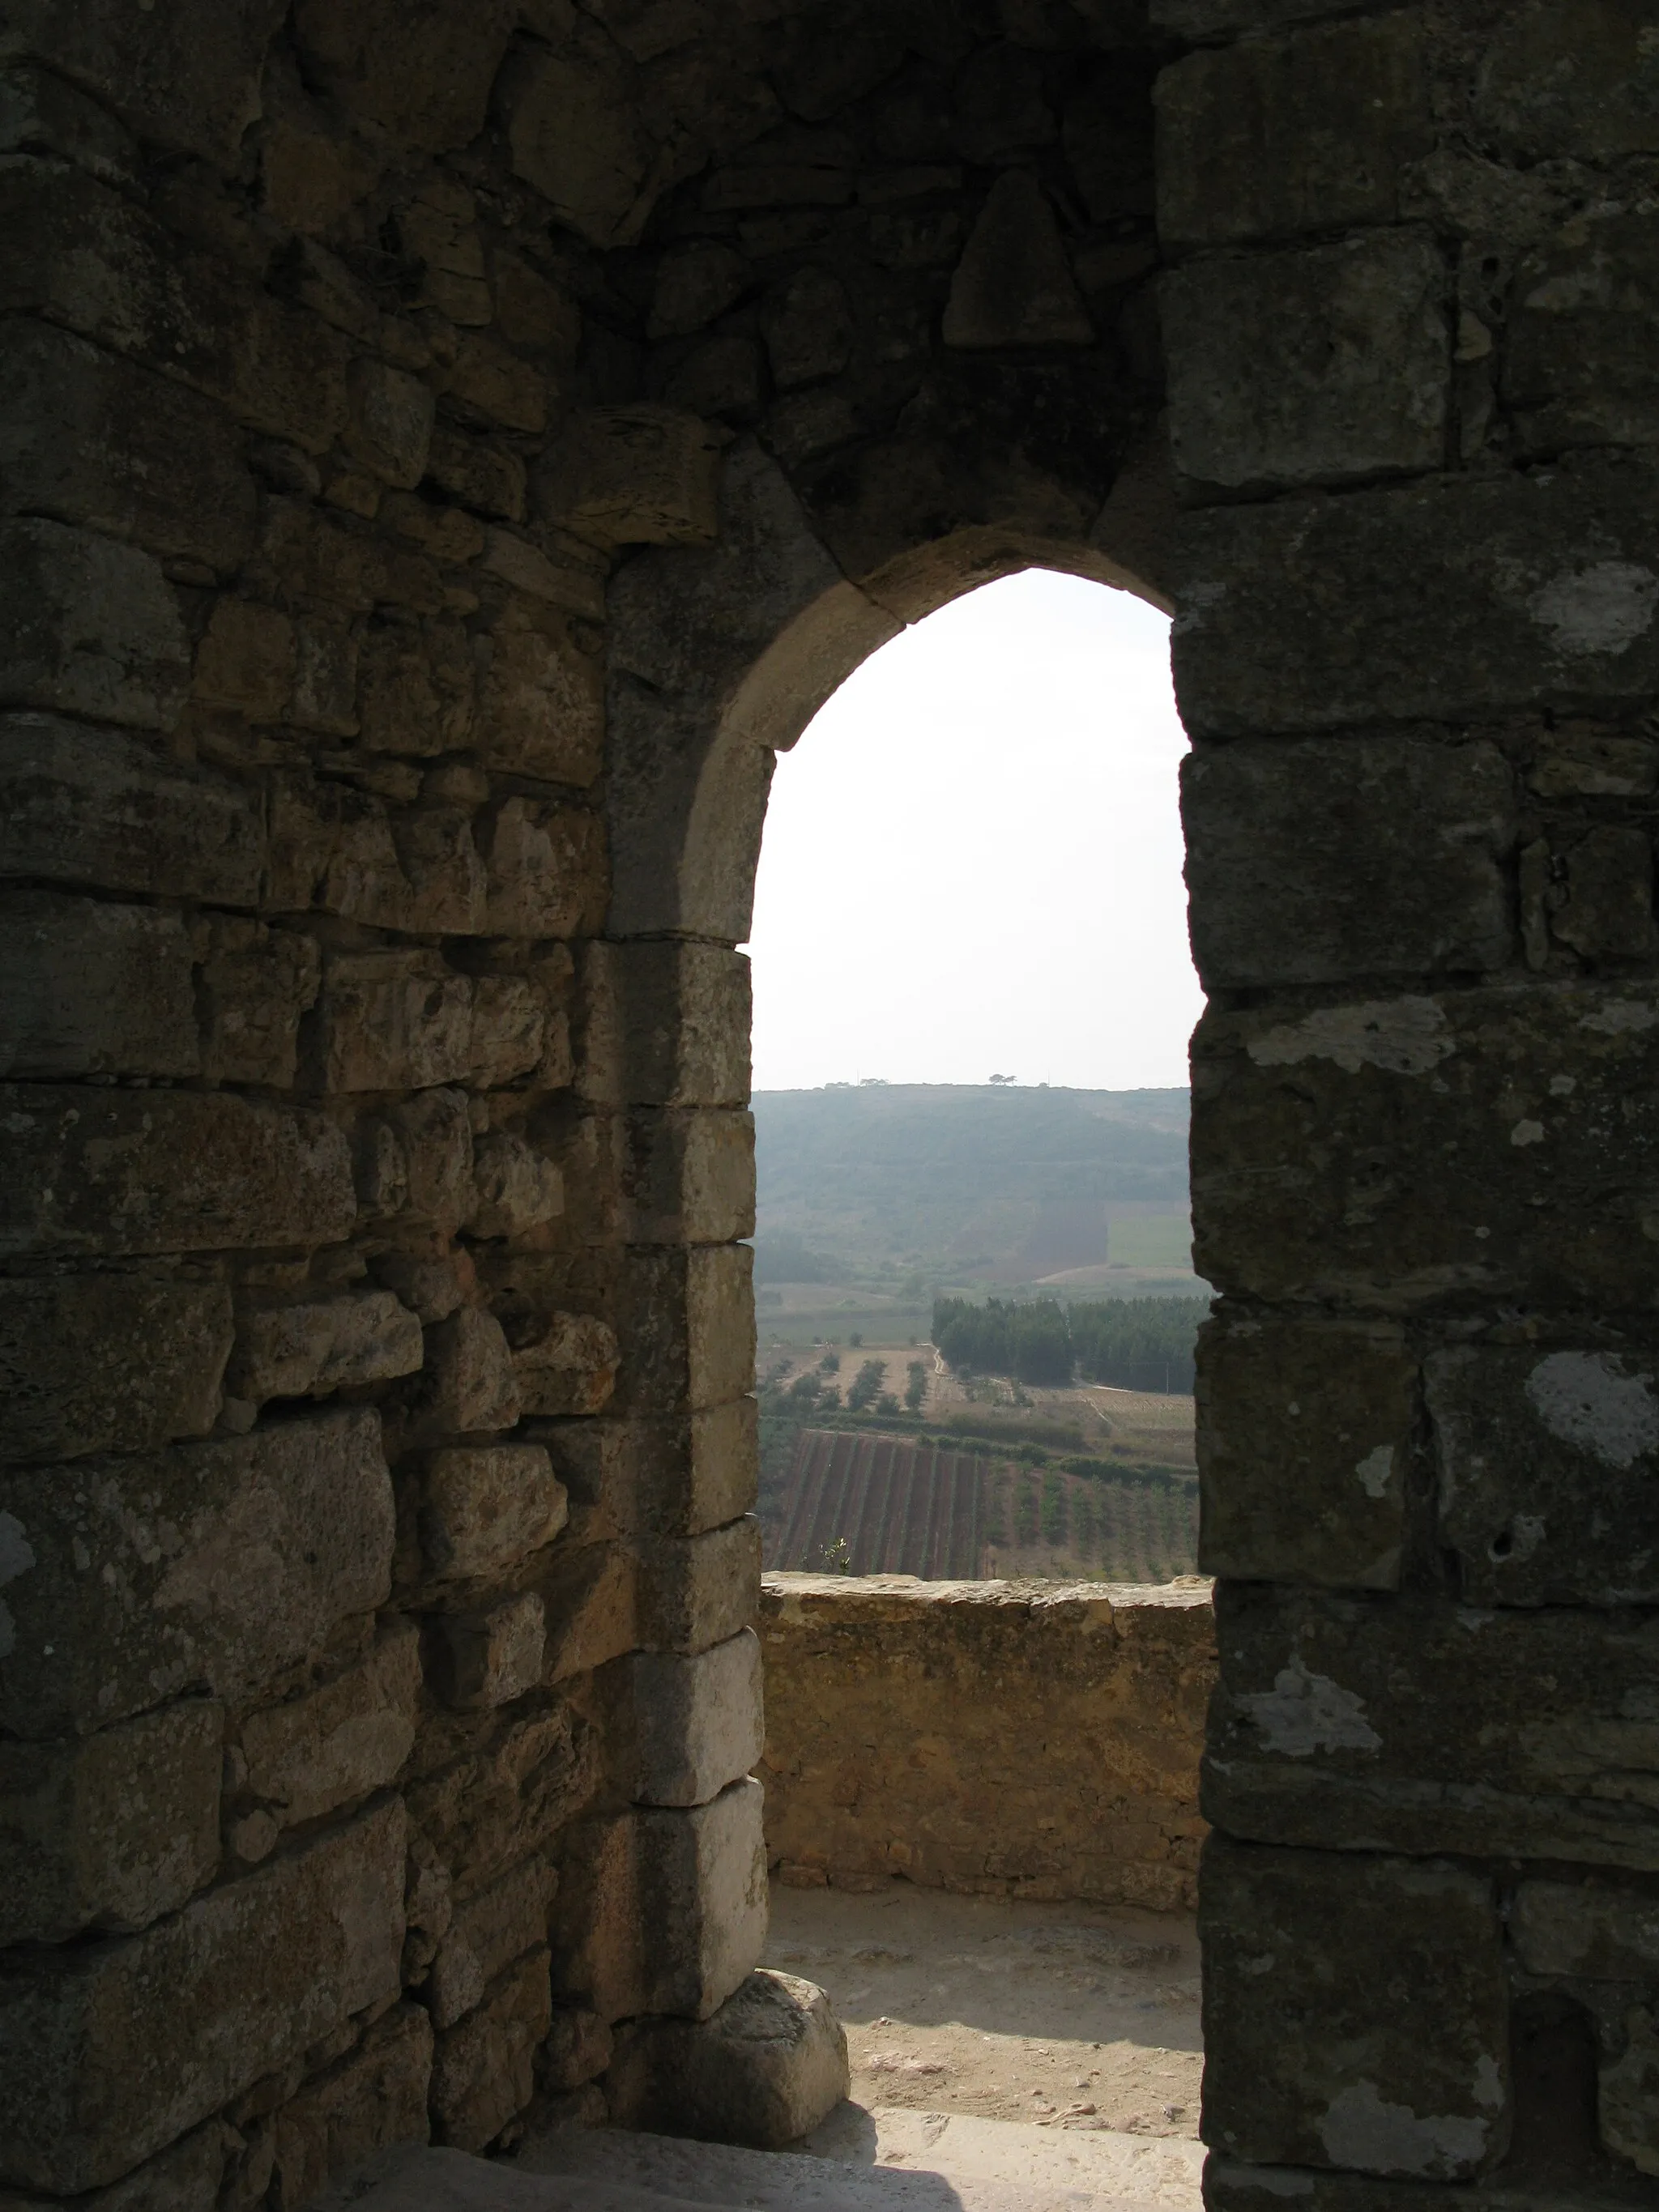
(966, 1180)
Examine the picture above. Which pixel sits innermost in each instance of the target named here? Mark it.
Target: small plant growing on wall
(838, 1557)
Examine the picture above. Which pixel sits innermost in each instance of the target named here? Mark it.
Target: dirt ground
(1072, 2015)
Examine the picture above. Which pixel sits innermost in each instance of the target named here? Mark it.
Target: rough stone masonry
(447, 447)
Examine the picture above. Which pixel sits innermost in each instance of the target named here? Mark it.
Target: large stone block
(394, 1021)
(687, 1323)
(591, 1596)
(664, 1911)
(520, 1779)
(482, 2071)
(115, 1171)
(541, 698)
(308, 1350)
(90, 988)
(93, 440)
(1578, 366)
(1357, 856)
(187, 2176)
(486, 1935)
(1366, 1724)
(519, 1189)
(375, 2096)
(1304, 1437)
(339, 1742)
(111, 2050)
(1014, 286)
(91, 806)
(764, 2069)
(697, 1591)
(483, 1508)
(469, 1385)
(485, 1659)
(112, 1831)
(565, 1363)
(1355, 2012)
(1445, 601)
(1321, 366)
(547, 872)
(217, 1562)
(689, 1178)
(665, 1024)
(1586, 1931)
(1401, 1148)
(1275, 136)
(658, 1478)
(90, 1361)
(697, 1721)
(189, 82)
(633, 475)
(91, 627)
(578, 136)
(1547, 1466)
(1581, 83)
(424, 78)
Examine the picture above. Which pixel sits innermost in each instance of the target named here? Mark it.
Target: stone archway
(377, 1429)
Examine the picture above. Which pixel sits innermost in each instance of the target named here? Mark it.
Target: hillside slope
(974, 1179)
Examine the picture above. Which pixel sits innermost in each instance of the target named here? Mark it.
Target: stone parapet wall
(993, 1738)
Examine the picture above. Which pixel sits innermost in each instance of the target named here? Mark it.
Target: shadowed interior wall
(448, 447)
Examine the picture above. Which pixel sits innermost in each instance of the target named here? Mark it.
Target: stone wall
(998, 1739)
(419, 420)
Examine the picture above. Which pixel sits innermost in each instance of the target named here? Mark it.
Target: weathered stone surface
(1519, 1172)
(565, 1363)
(1627, 2100)
(415, 691)
(1587, 1930)
(576, 134)
(91, 627)
(1301, 2067)
(90, 1361)
(1309, 863)
(219, 1562)
(1445, 601)
(542, 702)
(697, 1591)
(1013, 286)
(92, 806)
(546, 869)
(1274, 135)
(326, 1344)
(698, 1723)
(90, 987)
(189, 82)
(115, 1171)
(486, 1659)
(521, 1778)
(518, 1187)
(390, 427)
(470, 1384)
(337, 1743)
(1604, 910)
(393, 1021)
(90, 439)
(254, 984)
(375, 2096)
(187, 2176)
(666, 1024)
(113, 2049)
(591, 1596)
(763, 2069)
(689, 1178)
(1323, 367)
(424, 77)
(1305, 1437)
(484, 1508)
(686, 1317)
(1584, 84)
(111, 1832)
(429, 1169)
(971, 1737)
(664, 1911)
(1388, 1724)
(246, 661)
(1577, 367)
(486, 1935)
(1547, 1474)
(695, 283)
(633, 475)
(482, 2071)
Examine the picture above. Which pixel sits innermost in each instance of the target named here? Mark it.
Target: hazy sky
(972, 859)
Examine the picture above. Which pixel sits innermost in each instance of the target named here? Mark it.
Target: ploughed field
(884, 1504)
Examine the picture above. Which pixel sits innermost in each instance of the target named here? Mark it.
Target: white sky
(972, 858)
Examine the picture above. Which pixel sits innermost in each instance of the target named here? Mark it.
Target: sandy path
(1075, 2016)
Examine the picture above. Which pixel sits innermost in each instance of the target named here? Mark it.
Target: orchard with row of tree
(1137, 1344)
